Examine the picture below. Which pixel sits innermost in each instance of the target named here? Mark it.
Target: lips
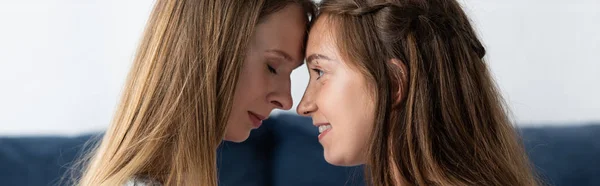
(256, 119)
(324, 128)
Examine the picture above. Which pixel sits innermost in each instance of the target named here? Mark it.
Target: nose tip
(304, 108)
(300, 112)
(281, 97)
(283, 102)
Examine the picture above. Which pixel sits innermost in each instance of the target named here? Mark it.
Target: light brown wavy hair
(177, 99)
(450, 124)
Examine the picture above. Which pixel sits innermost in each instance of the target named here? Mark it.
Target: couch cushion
(565, 156)
(38, 160)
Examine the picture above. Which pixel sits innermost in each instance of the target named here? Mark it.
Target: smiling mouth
(324, 128)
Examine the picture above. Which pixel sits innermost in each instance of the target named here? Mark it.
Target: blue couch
(285, 151)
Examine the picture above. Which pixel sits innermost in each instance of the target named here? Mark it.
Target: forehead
(283, 30)
(321, 38)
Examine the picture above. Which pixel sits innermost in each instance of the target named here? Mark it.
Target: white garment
(142, 181)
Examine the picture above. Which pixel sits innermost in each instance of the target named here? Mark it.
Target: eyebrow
(313, 57)
(283, 54)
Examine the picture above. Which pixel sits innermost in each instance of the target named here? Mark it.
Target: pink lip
(256, 119)
(324, 132)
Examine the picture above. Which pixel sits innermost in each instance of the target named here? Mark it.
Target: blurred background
(63, 62)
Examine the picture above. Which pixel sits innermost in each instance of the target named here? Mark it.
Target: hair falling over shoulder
(176, 101)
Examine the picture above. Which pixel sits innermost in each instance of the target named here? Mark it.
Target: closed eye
(271, 69)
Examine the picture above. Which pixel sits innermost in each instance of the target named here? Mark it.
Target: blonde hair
(176, 102)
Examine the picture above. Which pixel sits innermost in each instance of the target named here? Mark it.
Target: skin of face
(264, 83)
(337, 95)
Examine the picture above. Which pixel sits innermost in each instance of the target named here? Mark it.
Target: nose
(281, 98)
(307, 105)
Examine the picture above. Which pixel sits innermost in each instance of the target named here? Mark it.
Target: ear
(399, 81)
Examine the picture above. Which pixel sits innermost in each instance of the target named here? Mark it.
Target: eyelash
(319, 73)
(271, 69)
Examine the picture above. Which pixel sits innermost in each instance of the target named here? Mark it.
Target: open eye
(319, 73)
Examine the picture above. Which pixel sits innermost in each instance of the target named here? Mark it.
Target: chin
(237, 138)
(341, 159)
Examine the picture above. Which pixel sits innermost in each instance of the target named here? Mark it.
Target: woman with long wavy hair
(205, 71)
(402, 87)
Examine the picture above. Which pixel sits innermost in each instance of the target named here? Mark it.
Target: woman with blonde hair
(205, 71)
(402, 87)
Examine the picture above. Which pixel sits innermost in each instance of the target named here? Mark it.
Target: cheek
(252, 83)
(347, 100)
(248, 92)
(236, 132)
(351, 112)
